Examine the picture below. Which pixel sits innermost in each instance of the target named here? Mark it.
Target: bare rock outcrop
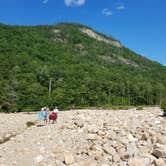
(98, 37)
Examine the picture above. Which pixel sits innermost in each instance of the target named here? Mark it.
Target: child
(45, 114)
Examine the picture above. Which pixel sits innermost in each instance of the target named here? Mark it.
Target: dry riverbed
(85, 138)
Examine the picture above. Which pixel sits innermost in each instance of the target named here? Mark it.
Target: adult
(53, 115)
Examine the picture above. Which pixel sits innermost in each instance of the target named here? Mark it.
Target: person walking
(45, 115)
(54, 114)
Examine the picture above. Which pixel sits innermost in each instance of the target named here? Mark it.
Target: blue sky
(139, 24)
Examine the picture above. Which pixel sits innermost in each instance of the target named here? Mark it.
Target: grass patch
(140, 108)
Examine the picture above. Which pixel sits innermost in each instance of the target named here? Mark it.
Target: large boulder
(136, 162)
(69, 159)
(160, 152)
(159, 162)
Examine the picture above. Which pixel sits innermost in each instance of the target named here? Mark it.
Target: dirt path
(86, 138)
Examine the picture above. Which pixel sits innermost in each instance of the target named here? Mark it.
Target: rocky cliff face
(98, 37)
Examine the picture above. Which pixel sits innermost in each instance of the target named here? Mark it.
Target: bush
(115, 107)
(163, 107)
(140, 108)
(29, 124)
(5, 107)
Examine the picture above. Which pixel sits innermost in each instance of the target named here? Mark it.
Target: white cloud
(74, 2)
(45, 1)
(107, 12)
(120, 7)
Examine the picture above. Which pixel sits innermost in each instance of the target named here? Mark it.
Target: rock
(94, 147)
(7, 136)
(148, 158)
(95, 151)
(113, 143)
(12, 138)
(157, 122)
(92, 137)
(161, 139)
(92, 128)
(147, 161)
(101, 133)
(80, 131)
(70, 126)
(98, 37)
(136, 162)
(144, 137)
(58, 156)
(144, 149)
(159, 162)
(98, 154)
(154, 139)
(79, 123)
(132, 150)
(123, 163)
(160, 152)
(90, 153)
(124, 156)
(86, 163)
(38, 159)
(131, 138)
(111, 135)
(58, 149)
(116, 157)
(124, 140)
(69, 159)
(59, 163)
(109, 150)
(42, 150)
(157, 145)
(1, 140)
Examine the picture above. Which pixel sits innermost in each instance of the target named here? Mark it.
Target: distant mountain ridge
(86, 69)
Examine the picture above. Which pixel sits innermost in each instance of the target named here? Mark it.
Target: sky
(138, 24)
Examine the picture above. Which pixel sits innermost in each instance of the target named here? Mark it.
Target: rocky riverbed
(85, 138)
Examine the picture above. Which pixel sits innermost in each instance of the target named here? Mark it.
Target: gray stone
(136, 162)
(69, 159)
(132, 150)
(131, 138)
(123, 163)
(109, 150)
(161, 139)
(160, 152)
(79, 123)
(92, 137)
(159, 162)
(116, 157)
(38, 159)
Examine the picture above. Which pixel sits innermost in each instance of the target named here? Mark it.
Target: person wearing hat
(54, 114)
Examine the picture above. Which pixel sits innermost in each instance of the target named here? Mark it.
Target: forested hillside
(84, 71)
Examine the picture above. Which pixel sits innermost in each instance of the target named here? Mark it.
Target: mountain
(84, 68)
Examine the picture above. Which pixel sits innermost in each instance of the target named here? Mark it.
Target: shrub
(140, 108)
(124, 107)
(29, 124)
(115, 107)
(163, 107)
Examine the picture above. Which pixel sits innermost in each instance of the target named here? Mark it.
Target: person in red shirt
(53, 115)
